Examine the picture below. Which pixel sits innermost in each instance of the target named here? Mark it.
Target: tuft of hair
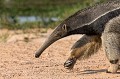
(86, 46)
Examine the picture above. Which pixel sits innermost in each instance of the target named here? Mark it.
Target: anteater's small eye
(64, 27)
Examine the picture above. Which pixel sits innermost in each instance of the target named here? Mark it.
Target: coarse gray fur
(111, 39)
(90, 15)
(111, 43)
(96, 26)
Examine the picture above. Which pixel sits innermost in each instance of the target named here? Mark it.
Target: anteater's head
(59, 32)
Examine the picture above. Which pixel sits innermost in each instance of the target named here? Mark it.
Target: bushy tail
(86, 46)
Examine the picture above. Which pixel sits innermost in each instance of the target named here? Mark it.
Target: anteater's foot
(113, 68)
(69, 64)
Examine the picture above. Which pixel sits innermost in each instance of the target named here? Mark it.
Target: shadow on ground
(95, 71)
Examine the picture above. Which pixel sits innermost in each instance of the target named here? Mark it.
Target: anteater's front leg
(83, 48)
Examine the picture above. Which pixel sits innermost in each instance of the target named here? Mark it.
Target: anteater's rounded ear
(64, 27)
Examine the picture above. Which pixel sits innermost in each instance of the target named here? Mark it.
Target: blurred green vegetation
(10, 10)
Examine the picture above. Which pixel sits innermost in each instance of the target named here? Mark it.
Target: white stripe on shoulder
(100, 16)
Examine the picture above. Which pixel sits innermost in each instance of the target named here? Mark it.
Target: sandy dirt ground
(17, 59)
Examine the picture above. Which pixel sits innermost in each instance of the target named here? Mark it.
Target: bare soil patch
(17, 59)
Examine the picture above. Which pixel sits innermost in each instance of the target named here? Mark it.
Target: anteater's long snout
(51, 39)
(43, 47)
(58, 33)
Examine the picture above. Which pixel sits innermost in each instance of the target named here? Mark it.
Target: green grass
(46, 9)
